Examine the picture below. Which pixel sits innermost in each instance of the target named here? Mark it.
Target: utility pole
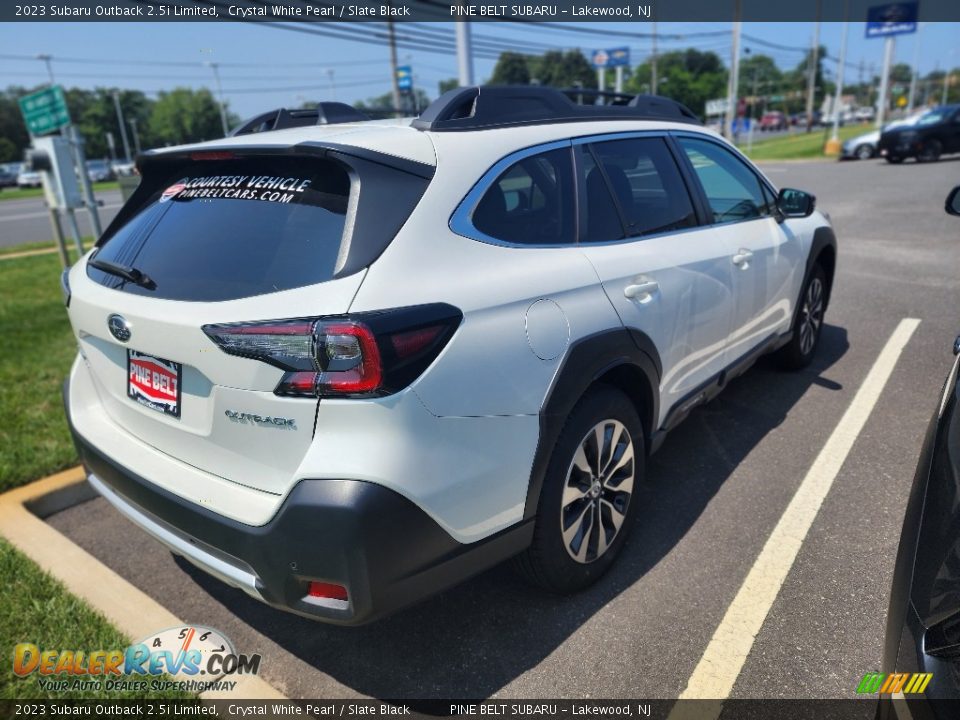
(464, 54)
(333, 85)
(618, 82)
(48, 61)
(223, 110)
(392, 38)
(833, 145)
(653, 62)
(946, 83)
(884, 80)
(916, 70)
(136, 135)
(123, 127)
(812, 69)
(732, 85)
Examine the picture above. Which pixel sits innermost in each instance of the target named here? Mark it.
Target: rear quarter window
(229, 229)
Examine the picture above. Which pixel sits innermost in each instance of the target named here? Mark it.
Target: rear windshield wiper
(124, 271)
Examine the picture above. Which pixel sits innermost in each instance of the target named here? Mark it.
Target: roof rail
(476, 108)
(325, 113)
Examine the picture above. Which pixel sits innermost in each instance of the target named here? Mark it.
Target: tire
(894, 159)
(799, 352)
(930, 152)
(584, 516)
(863, 152)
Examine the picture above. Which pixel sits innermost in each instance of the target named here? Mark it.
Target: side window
(532, 202)
(643, 179)
(733, 190)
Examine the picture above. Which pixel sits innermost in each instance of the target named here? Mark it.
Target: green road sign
(45, 111)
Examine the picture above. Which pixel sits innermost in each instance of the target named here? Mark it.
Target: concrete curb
(131, 611)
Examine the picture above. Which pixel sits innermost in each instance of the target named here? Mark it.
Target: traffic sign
(613, 57)
(894, 19)
(404, 77)
(45, 111)
(717, 107)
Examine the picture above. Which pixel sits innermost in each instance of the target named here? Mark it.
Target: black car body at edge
(923, 622)
(936, 133)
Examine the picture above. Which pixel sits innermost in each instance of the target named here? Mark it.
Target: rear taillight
(361, 355)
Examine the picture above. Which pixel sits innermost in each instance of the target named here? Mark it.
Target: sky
(263, 67)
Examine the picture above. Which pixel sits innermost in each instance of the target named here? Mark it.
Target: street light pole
(123, 127)
(812, 69)
(333, 85)
(884, 80)
(653, 62)
(732, 85)
(136, 135)
(834, 145)
(464, 54)
(223, 111)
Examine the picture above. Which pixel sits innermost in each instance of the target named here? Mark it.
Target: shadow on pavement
(475, 638)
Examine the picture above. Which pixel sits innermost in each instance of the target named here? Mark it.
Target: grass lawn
(797, 145)
(34, 442)
(24, 193)
(45, 245)
(35, 608)
(38, 349)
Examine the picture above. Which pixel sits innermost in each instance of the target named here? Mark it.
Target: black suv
(935, 133)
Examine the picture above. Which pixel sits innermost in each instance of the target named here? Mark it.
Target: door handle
(641, 291)
(742, 258)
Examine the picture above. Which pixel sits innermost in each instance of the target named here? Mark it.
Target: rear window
(230, 229)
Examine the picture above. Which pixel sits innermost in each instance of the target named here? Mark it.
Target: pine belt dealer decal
(154, 382)
(271, 188)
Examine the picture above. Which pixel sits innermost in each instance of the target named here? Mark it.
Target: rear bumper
(387, 551)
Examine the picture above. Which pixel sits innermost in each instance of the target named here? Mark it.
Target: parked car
(100, 171)
(923, 622)
(935, 133)
(28, 179)
(773, 120)
(121, 168)
(864, 147)
(343, 371)
(8, 174)
(864, 114)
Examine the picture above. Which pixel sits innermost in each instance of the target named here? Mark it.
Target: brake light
(359, 355)
(213, 155)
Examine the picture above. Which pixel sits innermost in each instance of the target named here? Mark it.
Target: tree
(563, 70)
(449, 84)
(382, 105)
(511, 69)
(12, 127)
(184, 115)
(688, 76)
(759, 78)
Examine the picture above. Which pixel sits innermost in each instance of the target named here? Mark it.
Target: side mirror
(795, 203)
(953, 201)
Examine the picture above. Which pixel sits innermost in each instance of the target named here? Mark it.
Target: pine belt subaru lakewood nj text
(343, 364)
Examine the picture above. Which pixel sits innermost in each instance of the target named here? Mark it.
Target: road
(24, 221)
(713, 496)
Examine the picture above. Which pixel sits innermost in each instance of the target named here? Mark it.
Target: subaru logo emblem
(119, 327)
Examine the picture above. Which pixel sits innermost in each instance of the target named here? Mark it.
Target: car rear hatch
(229, 236)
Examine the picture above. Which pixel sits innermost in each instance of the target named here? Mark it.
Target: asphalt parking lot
(713, 494)
(28, 220)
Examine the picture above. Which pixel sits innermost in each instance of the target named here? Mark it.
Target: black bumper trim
(386, 550)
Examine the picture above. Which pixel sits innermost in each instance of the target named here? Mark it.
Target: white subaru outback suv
(343, 365)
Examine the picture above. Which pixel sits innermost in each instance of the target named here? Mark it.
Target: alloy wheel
(811, 315)
(597, 491)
